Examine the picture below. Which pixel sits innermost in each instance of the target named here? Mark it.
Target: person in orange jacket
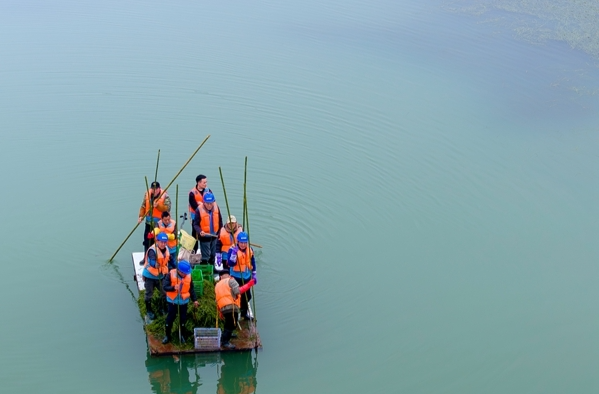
(168, 226)
(207, 223)
(155, 266)
(226, 240)
(228, 300)
(242, 265)
(179, 290)
(196, 197)
(154, 203)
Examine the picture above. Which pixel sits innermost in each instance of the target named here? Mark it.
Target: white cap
(231, 219)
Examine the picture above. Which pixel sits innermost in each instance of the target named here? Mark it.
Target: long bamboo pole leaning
(226, 200)
(246, 216)
(163, 191)
(177, 261)
(248, 231)
(243, 217)
(245, 201)
(222, 180)
(157, 161)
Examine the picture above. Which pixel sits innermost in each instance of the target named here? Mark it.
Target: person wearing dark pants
(155, 267)
(179, 290)
(208, 222)
(243, 268)
(228, 300)
(196, 197)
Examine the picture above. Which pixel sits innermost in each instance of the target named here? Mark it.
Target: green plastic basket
(197, 275)
(207, 272)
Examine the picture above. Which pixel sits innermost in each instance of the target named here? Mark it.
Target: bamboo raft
(247, 337)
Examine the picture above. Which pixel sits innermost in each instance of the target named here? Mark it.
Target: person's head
(166, 218)
(232, 223)
(184, 268)
(209, 200)
(242, 240)
(224, 274)
(161, 239)
(201, 182)
(155, 189)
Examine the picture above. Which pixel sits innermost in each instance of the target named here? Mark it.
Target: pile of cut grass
(204, 315)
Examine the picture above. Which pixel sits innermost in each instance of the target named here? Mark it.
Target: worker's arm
(234, 288)
(232, 256)
(247, 286)
(152, 258)
(166, 283)
(196, 223)
(192, 201)
(143, 209)
(253, 262)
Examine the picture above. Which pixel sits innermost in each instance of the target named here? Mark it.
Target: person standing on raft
(226, 240)
(208, 222)
(158, 205)
(228, 301)
(179, 290)
(243, 268)
(155, 267)
(196, 197)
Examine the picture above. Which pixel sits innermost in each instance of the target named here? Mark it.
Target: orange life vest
(198, 196)
(227, 239)
(179, 290)
(170, 229)
(161, 261)
(222, 291)
(158, 206)
(244, 260)
(205, 218)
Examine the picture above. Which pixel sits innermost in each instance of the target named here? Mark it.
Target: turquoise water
(421, 176)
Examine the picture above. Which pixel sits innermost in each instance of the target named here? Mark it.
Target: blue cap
(162, 237)
(209, 197)
(184, 267)
(242, 237)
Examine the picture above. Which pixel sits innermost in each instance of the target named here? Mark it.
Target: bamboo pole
(177, 264)
(222, 180)
(156, 172)
(176, 227)
(245, 174)
(226, 200)
(252, 288)
(246, 217)
(163, 191)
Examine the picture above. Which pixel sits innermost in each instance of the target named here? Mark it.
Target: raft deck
(247, 336)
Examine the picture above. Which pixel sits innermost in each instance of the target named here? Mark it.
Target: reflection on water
(171, 375)
(236, 373)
